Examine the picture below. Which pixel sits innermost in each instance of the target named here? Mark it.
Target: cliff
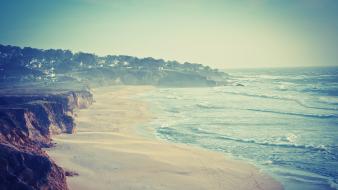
(27, 122)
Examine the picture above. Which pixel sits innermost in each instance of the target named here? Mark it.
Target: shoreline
(109, 153)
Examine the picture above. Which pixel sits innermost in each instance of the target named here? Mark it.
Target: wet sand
(108, 153)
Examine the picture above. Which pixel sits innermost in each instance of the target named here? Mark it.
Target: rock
(27, 169)
(71, 173)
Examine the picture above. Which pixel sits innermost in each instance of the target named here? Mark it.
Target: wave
(296, 114)
(285, 145)
(288, 138)
(252, 95)
(246, 123)
(282, 87)
(307, 177)
(272, 77)
(279, 98)
(206, 106)
(173, 97)
(172, 110)
(333, 184)
(329, 100)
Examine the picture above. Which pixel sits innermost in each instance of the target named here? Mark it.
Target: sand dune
(108, 153)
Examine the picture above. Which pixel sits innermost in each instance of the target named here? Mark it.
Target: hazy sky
(219, 33)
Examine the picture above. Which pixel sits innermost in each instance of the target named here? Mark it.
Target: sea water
(285, 121)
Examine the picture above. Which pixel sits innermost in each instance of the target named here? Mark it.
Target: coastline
(108, 153)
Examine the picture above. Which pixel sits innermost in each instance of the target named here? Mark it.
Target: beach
(107, 152)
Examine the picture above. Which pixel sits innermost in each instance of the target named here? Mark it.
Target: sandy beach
(108, 153)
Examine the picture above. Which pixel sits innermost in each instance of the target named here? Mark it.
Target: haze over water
(285, 121)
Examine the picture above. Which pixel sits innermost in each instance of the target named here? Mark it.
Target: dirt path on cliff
(108, 153)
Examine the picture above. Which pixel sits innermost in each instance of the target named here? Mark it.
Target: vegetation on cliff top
(55, 65)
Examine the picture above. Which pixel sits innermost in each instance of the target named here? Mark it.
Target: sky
(219, 33)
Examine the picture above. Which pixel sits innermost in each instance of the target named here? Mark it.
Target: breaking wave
(288, 138)
(280, 98)
(320, 116)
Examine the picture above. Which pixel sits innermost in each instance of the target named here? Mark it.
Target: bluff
(27, 122)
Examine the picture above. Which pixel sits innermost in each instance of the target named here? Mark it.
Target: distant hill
(29, 65)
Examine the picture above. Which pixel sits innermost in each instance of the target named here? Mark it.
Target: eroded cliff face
(27, 122)
(29, 169)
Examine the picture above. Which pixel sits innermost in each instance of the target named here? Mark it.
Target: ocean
(284, 121)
